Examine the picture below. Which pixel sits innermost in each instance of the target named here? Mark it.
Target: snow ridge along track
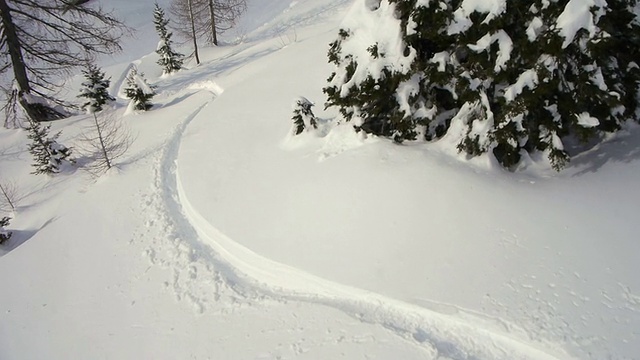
(442, 336)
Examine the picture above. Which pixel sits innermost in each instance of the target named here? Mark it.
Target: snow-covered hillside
(222, 236)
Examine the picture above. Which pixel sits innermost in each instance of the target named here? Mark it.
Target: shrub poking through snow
(303, 116)
(104, 142)
(8, 195)
(4, 233)
(139, 91)
(170, 60)
(95, 89)
(48, 154)
(500, 77)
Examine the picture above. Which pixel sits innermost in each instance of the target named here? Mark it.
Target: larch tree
(43, 41)
(207, 18)
(507, 78)
(223, 15)
(186, 12)
(103, 142)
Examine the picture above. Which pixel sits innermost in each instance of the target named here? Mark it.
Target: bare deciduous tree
(42, 40)
(206, 18)
(186, 13)
(106, 140)
(223, 15)
(10, 109)
(9, 195)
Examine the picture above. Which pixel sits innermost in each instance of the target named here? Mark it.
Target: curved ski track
(248, 274)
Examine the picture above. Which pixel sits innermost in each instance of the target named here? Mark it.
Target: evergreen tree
(170, 60)
(4, 234)
(139, 91)
(47, 153)
(509, 79)
(303, 116)
(95, 89)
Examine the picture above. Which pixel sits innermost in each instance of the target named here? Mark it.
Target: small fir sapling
(303, 116)
(4, 233)
(170, 60)
(48, 154)
(139, 91)
(95, 89)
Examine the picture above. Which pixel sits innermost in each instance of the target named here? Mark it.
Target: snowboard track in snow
(251, 276)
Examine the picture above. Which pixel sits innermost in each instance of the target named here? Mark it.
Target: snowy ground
(220, 236)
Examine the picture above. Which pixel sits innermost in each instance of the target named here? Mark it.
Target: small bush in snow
(303, 116)
(4, 234)
(95, 89)
(515, 78)
(170, 60)
(48, 154)
(139, 91)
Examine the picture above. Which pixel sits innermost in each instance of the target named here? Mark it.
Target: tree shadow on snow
(19, 237)
(174, 101)
(623, 148)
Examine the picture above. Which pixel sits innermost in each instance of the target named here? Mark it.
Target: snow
(461, 21)
(505, 45)
(586, 120)
(219, 235)
(534, 29)
(577, 15)
(528, 79)
(370, 29)
(441, 58)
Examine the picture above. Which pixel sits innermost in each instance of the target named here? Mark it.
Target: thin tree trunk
(214, 35)
(193, 30)
(7, 197)
(35, 111)
(104, 150)
(14, 48)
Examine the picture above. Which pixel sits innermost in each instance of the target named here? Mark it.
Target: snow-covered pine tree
(505, 77)
(303, 116)
(47, 153)
(4, 233)
(95, 89)
(139, 91)
(170, 60)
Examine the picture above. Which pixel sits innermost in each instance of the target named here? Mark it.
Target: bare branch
(210, 17)
(9, 195)
(46, 40)
(104, 142)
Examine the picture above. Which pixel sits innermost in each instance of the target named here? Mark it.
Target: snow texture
(577, 15)
(213, 240)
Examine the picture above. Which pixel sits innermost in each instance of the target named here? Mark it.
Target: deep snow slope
(222, 236)
(555, 254)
